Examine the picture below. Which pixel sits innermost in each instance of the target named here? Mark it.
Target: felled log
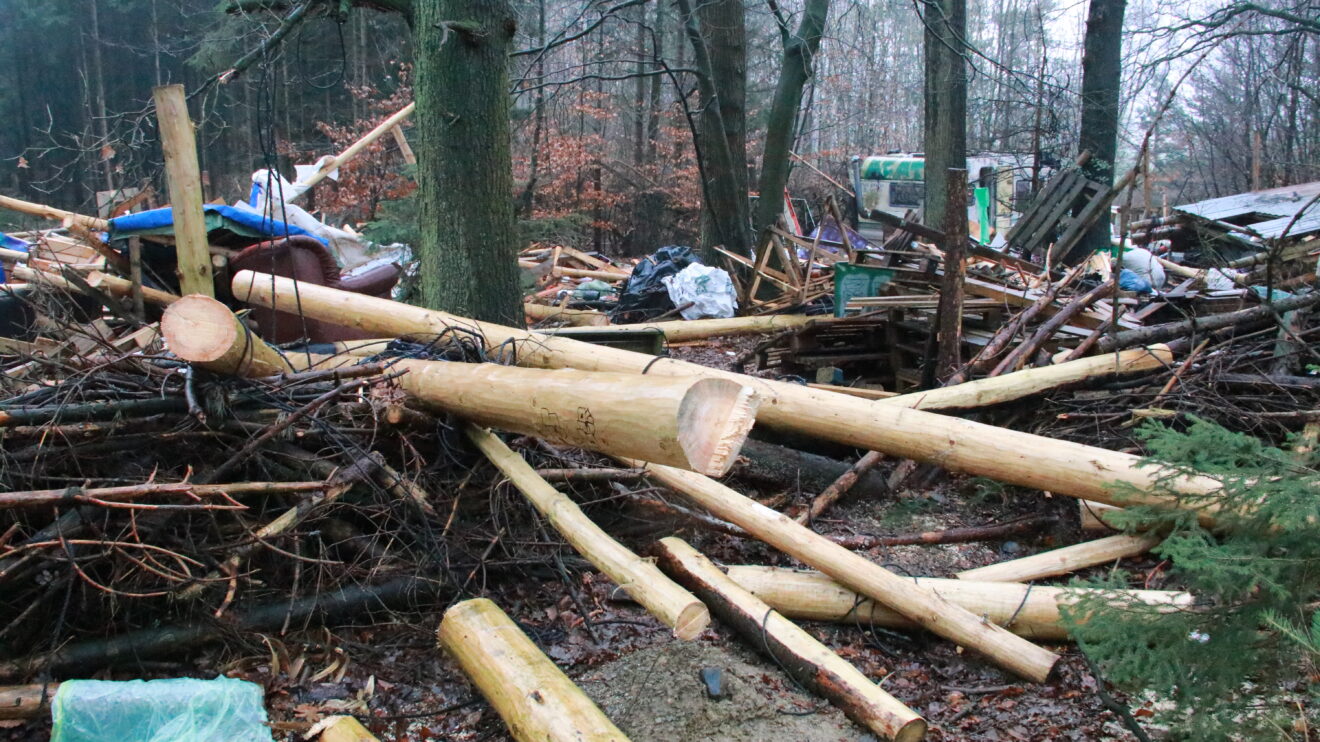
(1174, 330)
(26, 701)
(130, 493)
(809, 662)
(784, 467)
(113, 285)
(341, 729)
(203, 331)
(1095, 516)
(181, 639)
(50, 212)
(900, 593)
(697, 424)
(962, 535)
(671, 604)
(1264, 381)
(840, 487)
(678, 331)
(960, 445)
(575, 317)
(537, 700)
(1029, 382)
(1028, 347)
(1028, 611)
(1063, 561)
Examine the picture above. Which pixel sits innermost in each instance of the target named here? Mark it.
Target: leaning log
(204, 332)
(859, 573)
(961, 445)
(537, 700)
(1030, 611)
(697, 424)
(671, 604)
(1063, 561)
(1174, 330)
(811, 663)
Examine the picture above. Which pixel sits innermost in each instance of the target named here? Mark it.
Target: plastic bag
(709, 290)
(1129, 280)
(219, 710)
(644, 296)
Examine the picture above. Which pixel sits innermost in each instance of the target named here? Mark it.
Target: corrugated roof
(1282, 203)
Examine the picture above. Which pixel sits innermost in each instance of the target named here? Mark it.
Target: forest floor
(394, 678)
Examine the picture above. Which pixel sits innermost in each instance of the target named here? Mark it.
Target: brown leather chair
(307, 260)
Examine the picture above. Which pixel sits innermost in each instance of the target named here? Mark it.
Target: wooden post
(1063, 561)
(809, 662)
(179, 145)
(1062, 467)
(861, 574)
(1030, 611)
(697, 424)
(537, 700)
(135, 276)
(949, 358)
(671, 604)
(405, 149)
(203, 331)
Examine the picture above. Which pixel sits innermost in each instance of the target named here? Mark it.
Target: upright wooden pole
(646, 584)
(179, 145)
(536, 700)
(949, 357)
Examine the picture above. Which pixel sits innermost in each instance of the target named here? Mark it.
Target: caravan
(999, 188)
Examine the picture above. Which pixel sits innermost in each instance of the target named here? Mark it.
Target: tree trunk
(468, 247)
(946, 104)
(1101, 75)
(717, 30)
(781, 129)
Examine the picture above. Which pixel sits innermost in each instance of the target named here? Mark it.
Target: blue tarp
(11, 243)
(218, 216)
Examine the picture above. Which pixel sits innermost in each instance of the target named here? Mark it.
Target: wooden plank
(179, 145)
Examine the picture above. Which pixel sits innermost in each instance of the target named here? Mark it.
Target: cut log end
(200, 329)
(692, 621)
(714, 419)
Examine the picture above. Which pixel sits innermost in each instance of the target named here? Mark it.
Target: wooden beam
(861, 574)
(537, 700)
(354, 149)
(52, 213)
(179, 145)
(1030, 611)
(697, 424)
(800, 655)
(646, 584)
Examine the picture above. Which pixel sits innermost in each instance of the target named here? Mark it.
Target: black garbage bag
(644, 296)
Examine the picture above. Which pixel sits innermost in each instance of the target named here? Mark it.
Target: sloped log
(537, 700)
(859, 573)
(809, 662)
(50, 212)
(959, 445)
(671, 604)
(1029, 382)
(1063, 561)
(114, 285)
(1028, 611)
(696, 424)
(204, 332)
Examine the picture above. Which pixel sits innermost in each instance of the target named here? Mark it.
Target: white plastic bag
(708, 289)
(1142, 262)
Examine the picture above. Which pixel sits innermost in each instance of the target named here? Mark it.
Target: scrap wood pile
(199, 471)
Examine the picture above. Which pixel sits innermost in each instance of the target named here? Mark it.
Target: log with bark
(1265, 313)
(797, 652)
(902, 594)
(697, 424)
(1064, 560)
(671, 604)
(1017, 458)
(1030, 611)
(575, 317)
(536, 700)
